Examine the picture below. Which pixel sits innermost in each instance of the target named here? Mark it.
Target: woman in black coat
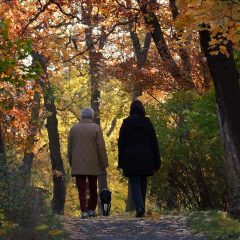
(138, 153)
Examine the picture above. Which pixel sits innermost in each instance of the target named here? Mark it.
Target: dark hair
(137, 108)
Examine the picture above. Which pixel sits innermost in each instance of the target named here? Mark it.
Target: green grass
(50, 229)
(214, 224)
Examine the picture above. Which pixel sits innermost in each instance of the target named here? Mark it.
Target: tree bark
(227, 89)
(95, 85)
(59, 190)
(140, 55)
(95, 58)
(207, 79)
(183, 53)
(3, 157)
(3, 169)
(26, 166)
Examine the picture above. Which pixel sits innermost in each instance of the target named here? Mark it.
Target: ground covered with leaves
(122, 227)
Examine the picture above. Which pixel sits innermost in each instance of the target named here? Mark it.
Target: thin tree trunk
(227, 89)
(95, 86)
(172, 177)
(94, 61)
(59, 190)
(205, 201)
(3, 170)
(95, 58)
(141, 57)
(32, 132)
(204, 71)
(3, 158)
(183, 53)
(171, 66)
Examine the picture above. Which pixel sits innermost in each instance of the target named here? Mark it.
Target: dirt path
(121, 228)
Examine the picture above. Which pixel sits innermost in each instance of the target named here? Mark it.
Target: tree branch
(34, 18)
(126, 7)
(65, 13)
(96, 41)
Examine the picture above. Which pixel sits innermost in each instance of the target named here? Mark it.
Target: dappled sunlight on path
(120, 228)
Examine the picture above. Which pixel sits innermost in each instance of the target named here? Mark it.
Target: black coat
(138, 152)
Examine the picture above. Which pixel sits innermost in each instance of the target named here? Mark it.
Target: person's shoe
(92, 213)
(84, 215)
(140, 213)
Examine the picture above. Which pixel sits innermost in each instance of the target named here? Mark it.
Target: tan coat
(86, 149)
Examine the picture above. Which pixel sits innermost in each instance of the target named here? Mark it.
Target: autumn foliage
(57, 56)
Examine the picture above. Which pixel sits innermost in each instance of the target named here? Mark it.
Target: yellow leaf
(42, 227)
(213, 42)
(214, 52)
(238, 26)
(224, 50)
(7, 224)
(55, 232)
(231, 23)
(215, 30)
(2, 233)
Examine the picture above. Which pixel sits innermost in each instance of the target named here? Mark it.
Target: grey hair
(87, 113)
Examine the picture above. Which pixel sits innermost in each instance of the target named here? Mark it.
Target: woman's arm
(155, 147)
(121, 144)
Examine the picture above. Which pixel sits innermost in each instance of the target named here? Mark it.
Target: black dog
(106, 197)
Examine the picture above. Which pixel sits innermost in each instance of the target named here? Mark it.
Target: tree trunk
(95, 58)
(32, 132)
(59, 190)
(95, 86)
(204, 71)
(141, 57)
(183, 53)
(171, 66)
(3, 158)
(3, 170)
(227, 89)
(94, 61)
(172, 177)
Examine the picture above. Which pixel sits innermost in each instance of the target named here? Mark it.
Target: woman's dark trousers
(139, 187)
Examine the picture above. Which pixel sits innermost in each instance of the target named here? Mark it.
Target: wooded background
(181, 58)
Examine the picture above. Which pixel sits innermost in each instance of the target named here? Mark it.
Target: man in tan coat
(88, 159)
